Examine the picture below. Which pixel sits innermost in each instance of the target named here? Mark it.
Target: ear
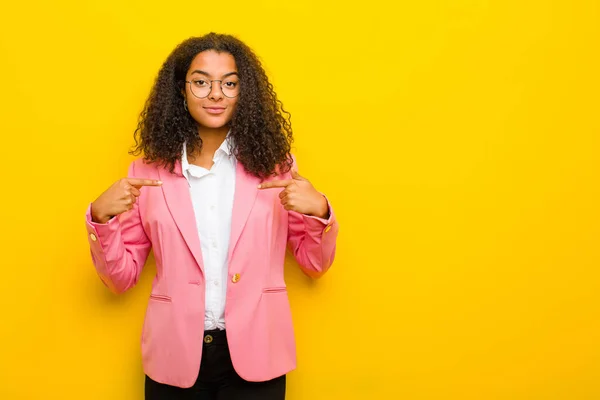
(183, 89)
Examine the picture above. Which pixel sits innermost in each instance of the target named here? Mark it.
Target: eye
(200, 82)
(231, 85)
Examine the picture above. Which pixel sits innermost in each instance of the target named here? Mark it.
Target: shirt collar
(185, 165)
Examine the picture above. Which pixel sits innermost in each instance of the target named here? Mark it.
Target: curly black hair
(260, 128)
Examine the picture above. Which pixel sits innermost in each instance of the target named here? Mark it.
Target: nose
(216, 93)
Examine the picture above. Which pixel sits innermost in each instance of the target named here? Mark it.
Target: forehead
(216, 64)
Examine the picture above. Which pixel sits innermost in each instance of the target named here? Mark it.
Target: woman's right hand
(118, 198)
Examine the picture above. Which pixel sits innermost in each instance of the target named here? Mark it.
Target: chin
(213, 122)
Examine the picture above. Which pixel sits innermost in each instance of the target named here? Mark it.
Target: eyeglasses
(201, 88)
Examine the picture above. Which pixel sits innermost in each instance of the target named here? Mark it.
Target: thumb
(296, 175)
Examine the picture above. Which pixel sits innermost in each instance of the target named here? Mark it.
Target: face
(212, 104)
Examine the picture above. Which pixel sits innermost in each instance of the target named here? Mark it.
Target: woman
(217, 197)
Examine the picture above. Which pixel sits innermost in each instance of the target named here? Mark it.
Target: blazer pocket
(277, 289)
(160, 297)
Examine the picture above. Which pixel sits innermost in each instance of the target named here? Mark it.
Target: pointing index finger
(138, 183)
(276, 184)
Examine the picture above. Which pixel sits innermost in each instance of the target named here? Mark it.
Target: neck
(212, 139)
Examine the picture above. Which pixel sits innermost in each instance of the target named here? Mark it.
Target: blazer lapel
(246, 190)
(179, 202)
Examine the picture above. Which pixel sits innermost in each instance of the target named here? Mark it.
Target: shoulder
(285, 173)
(140, 168)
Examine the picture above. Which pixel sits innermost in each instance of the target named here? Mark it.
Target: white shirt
(212, 197)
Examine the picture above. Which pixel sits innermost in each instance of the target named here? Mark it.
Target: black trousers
(217, 379)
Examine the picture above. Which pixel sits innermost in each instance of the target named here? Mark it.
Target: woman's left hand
(299, 195)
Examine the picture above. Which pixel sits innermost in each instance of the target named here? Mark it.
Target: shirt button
(93, 237)
(212, 208)
(235, 278)
(216, 283)
(328, 228)
(214, 244)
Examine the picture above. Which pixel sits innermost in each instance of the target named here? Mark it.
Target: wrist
(98, 218)
(323, 209)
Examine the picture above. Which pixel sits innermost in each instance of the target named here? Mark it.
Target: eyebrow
(197, 71)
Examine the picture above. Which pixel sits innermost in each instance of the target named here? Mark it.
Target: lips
(215, 110)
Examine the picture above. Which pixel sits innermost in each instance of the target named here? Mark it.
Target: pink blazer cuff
(100, 233)
(317, 226)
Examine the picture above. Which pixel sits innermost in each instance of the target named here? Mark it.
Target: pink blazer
(257, 313)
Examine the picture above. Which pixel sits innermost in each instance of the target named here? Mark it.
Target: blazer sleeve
(312, 240)
(120, 247)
